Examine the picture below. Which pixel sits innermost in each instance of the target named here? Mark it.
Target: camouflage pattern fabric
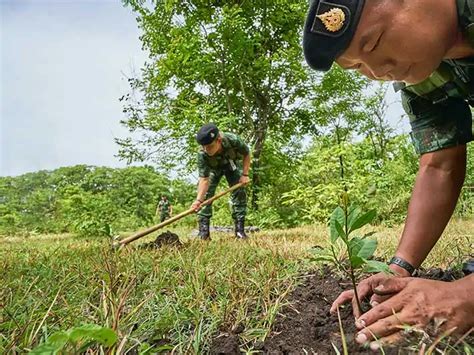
(233, 151)
(227, 163)
(438, 107)
(238, 197)
(164, 207)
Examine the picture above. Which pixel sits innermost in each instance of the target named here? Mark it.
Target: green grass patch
(171, 298)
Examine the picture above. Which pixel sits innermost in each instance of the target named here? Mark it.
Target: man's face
(213, 148)
(400, 40)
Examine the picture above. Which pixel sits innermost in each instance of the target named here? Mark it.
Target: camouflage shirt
(164, 206)
(233, 151)
(438, 107)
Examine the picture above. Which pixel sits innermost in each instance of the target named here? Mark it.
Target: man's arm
(437, 187)
(203, 186)
(246, 165)
(245, 169)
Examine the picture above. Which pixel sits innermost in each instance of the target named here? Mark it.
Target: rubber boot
(240, 229)
(204, 232)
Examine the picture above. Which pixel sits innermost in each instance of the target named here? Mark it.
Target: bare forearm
(246, 165)
(203, 186)
(433, 200)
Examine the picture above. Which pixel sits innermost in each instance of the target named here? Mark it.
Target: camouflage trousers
(164, 216)
(238, 198)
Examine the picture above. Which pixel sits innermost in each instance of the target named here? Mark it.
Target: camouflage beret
(207, 134)
(329, 29)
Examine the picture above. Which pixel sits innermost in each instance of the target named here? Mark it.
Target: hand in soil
(364, 289)
(420, 303)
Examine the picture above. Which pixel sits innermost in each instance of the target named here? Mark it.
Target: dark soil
(164, 239)
(306, 327)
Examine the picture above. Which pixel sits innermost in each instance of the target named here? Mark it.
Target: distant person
(221, 154)
(164, 209)
(427, 47)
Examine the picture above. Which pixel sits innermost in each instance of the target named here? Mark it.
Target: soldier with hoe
(427, 48)
(164, 208)
(221, 154)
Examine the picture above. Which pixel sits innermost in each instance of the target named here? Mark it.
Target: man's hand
(364, 289)
(196, 206)
(417, 302)
(244, 179)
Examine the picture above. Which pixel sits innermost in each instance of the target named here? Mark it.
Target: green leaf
(46, 349)
(357, 261)
(355, 245)
(368, 248)
(58, 339)
(376, 266)
(340, 231)
(353, 215)
(105, 336)
(336, 216)
(362, 220)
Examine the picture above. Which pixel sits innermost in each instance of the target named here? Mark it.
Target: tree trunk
(260, 136)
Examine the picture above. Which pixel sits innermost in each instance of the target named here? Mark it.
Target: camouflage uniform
(227, 163)
(164, 207)
(438, 107)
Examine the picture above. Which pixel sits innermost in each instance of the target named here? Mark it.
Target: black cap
(329, 29)
(207, 134)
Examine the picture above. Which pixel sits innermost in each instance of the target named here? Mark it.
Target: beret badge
(333, 19)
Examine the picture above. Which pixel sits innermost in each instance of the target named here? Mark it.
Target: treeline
(86, 200)
(298, 187)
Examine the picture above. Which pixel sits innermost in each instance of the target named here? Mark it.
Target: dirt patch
(164, 239)
(225, 344)
(306, 327)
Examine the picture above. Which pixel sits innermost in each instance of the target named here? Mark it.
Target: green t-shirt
(233, 151)
(438, 107)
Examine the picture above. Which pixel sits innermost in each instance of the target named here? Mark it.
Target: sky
(63, 66)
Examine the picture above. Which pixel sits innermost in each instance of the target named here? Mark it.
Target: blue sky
(64, 65)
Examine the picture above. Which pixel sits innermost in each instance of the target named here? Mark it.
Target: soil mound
(164, 239)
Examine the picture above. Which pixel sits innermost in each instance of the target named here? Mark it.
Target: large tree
(236, 63)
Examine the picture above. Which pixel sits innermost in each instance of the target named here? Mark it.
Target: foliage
(380, 184)
(86, 200)
(235, 63)
(76, 340)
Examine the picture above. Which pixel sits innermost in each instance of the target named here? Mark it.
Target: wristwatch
(403, 264)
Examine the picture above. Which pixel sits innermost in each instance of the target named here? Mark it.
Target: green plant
(359, 249)
(76, 340)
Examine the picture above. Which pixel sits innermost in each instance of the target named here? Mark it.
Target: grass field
(172, 298)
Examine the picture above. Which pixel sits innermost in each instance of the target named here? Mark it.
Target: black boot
(240, 229)
(204, 232)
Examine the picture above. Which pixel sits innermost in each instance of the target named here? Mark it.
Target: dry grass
(178, 298)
